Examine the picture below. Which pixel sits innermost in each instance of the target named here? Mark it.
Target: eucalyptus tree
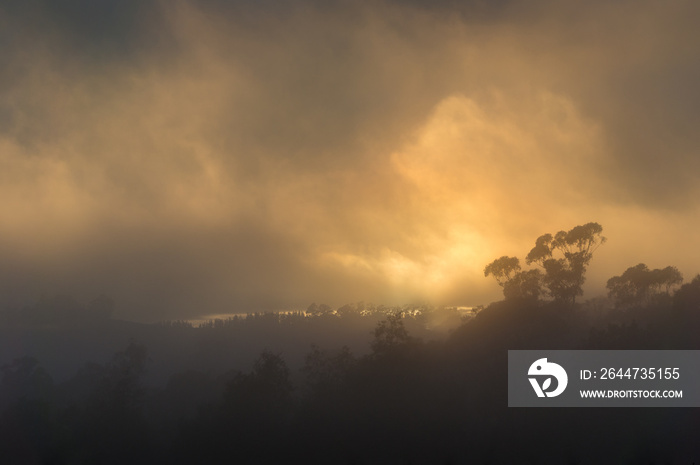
(516, 283)
(564, 258)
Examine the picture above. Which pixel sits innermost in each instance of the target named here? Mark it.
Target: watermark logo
(544, 370)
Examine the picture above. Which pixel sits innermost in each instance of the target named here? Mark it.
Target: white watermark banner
(604, 378)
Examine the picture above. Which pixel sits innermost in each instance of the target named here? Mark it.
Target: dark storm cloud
(191, 158)
(637, 71)
(93, 29)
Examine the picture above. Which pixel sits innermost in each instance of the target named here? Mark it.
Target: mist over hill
(349, 385)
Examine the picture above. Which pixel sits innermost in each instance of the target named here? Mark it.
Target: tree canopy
(563, 275)
(638, 284)
(503, 269)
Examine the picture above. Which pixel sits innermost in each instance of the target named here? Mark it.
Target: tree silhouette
(564, 277)
(638, 284)
(324, 372)
(114, 429)
(516, 284)
(525, 285)
(503, 269)
(686, 304)
(264, 395)
(390, 335)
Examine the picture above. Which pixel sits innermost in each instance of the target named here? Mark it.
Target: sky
(192, 158)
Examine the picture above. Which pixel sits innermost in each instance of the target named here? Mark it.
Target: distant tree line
(428, 315)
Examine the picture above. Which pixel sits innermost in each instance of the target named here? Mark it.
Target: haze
(192, 158)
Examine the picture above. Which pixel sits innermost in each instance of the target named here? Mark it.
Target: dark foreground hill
(403, 399)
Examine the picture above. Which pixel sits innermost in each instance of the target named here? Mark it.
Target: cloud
(194, 158)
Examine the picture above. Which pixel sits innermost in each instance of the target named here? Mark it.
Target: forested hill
(64, 334)
(401, 399)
